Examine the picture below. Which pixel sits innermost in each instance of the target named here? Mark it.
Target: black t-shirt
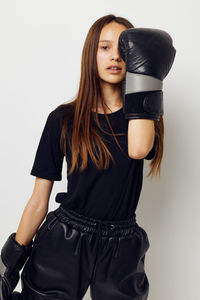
(111, 194)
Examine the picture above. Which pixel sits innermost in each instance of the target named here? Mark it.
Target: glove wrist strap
(146, 105)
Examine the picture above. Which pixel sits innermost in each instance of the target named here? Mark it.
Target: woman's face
(108, 54)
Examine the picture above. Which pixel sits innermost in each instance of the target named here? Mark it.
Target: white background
(40, 56)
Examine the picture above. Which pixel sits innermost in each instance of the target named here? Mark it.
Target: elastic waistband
(91, 225)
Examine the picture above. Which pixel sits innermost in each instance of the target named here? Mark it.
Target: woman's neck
(112, 97)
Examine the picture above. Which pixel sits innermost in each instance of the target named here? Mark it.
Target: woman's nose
(116, 55)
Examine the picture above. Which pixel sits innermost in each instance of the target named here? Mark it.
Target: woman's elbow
(138, 154)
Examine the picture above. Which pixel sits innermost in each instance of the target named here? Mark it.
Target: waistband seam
(96, 227)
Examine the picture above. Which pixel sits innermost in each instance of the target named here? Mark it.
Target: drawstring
(99, 227)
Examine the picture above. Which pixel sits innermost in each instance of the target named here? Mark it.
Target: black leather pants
(72, 252)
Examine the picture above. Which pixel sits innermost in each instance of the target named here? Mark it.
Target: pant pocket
(145, 238)
(48, 224)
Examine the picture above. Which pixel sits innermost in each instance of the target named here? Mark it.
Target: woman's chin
(112, 81)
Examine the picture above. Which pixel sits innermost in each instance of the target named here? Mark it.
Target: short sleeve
(151, 153)
(49, 157)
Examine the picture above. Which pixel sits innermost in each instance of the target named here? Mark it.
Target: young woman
(115, 122)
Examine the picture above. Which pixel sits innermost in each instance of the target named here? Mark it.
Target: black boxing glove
(15, 296)
(13, 257)
(149, 55)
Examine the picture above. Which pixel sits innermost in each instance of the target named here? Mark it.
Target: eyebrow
(105, 41)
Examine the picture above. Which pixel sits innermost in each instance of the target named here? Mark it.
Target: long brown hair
(84, 138)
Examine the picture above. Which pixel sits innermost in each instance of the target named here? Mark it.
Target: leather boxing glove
(15, 296)
(149, 55)
(13, 257)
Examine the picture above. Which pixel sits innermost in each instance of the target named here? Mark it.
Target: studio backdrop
(40, 58)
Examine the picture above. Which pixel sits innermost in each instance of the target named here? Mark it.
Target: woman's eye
(104, 47)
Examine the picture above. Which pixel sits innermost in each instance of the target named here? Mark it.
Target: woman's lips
(114, 71)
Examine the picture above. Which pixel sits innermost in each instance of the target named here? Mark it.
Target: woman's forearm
(141, 133)
(31, 219)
